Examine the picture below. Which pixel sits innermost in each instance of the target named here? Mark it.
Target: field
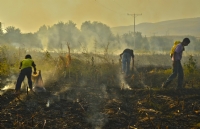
(92, 93)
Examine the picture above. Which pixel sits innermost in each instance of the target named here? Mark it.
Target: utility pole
(134, 16)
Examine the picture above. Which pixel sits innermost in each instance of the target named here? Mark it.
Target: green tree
(98, 31)
(160, 43)
(145, 44)
(43, 35)
(30, 40)
(61, 33)
(128, 38)
(13, 34)
(138, 41)
(191, 71)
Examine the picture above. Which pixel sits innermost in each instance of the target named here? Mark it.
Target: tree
(96, 31)
(30, 40)
(13, 35)
(42, 34)
(145, 44)
(158, 43)
(1, 32)
(61, 33)
(128, 38)
(138, 41)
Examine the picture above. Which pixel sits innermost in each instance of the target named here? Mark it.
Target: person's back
(126, 59)
(129, 51)
(27, 63)
(26, 70)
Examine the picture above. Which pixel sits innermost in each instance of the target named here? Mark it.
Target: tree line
(90, 36)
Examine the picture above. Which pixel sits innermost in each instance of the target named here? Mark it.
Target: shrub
(191, 72)
(4, 67)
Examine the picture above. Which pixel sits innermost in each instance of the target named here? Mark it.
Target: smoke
(96, 35)
(96, 117)
(98, 120)
(123, 84)
(9, 83)
(44, 41)
(9, 86)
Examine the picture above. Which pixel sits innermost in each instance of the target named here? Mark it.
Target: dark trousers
(24, 72)
(177, 70)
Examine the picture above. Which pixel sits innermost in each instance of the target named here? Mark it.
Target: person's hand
(34, 72)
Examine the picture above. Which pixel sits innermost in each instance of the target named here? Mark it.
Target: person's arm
(177, 51)
(132, 55)
(20, 66)
(132, 63)
(121, 55)
(174, 57)
(34, 67)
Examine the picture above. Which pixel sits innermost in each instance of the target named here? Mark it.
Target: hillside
(189, 26)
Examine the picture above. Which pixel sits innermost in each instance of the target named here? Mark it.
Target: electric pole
(134, 16)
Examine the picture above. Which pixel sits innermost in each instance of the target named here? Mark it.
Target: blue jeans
(177, 70)
(126, 59)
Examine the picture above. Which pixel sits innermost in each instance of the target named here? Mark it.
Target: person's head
(185, 41)
(28, 56)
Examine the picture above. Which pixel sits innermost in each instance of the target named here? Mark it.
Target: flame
(8, 86)
(124, 84)
(48, 103)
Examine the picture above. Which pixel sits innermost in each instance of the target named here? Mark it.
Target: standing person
(126, 60)
(177, 67)
(26, 70)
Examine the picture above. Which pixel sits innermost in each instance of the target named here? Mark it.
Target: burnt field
(95, 95)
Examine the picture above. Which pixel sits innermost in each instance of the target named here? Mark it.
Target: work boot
(17, 92)
(30, 90)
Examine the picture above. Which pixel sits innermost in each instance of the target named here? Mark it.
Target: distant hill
(189, 26)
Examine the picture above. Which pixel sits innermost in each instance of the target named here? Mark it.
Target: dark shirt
(130, 51)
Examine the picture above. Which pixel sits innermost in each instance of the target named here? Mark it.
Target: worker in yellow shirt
(26, 70)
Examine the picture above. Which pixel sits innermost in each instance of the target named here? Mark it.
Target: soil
(79, 104)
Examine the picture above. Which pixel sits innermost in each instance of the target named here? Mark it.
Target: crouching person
(126, 56)
(26, 70)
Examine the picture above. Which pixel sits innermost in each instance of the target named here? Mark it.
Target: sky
(30, 15)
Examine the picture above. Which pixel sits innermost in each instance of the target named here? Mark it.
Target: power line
(110, 9)
(121, 6)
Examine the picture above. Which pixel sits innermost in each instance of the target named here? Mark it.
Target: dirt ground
(77, 103)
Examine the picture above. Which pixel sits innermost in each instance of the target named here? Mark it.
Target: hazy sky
(29, 15)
